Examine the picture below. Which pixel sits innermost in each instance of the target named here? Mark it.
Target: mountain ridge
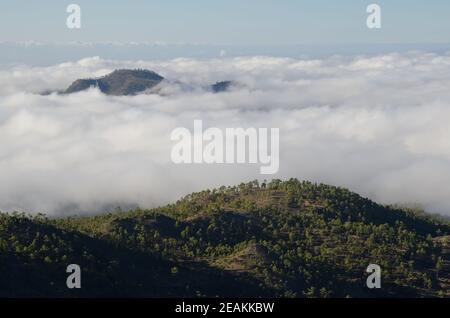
(275, 239)
(119, 83)
(127, 82)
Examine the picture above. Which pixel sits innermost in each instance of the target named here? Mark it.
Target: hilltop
(119, 82)
(277, 239)
(126, 82)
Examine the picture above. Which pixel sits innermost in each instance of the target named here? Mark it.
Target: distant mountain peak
(125, 82)
(138, 73)
(120, 82)
(223, 86)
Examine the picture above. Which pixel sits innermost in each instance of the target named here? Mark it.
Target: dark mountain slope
(34, 255)
(221, 87)
(119, 82)
(133, 82)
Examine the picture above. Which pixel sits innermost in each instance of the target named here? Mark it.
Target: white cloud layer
(378, 125)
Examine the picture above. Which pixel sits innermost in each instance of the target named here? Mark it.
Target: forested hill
(281, 239)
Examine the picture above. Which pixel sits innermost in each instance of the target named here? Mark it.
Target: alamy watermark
(374, 279)
(228, 146)
(74, 279)
(374, 18)
(74, 19)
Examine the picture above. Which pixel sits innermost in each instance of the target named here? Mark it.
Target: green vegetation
(280, 239)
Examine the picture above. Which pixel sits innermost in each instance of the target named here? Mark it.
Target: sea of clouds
(378, 125)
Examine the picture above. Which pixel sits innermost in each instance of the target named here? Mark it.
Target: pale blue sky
(238, 22)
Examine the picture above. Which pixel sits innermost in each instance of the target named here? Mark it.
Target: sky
(232, 22)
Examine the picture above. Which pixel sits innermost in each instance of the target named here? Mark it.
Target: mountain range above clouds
(322, 120)
(127, 82)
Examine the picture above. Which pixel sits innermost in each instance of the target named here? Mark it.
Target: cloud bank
(375, 124)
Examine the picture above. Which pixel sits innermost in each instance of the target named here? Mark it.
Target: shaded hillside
(281, 239)
(132, 82)
(221, 87)
(119, 82)
(34, 256)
